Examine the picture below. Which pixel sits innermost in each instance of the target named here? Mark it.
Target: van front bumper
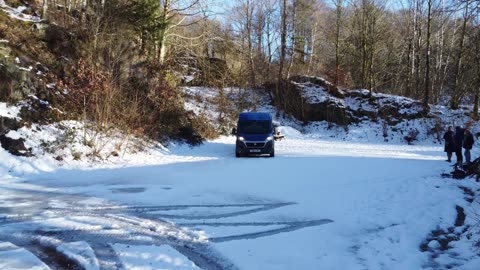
(254, 147)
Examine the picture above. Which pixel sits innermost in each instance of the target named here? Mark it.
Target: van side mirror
(234, 131)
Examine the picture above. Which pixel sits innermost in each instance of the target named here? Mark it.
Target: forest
(123, 61)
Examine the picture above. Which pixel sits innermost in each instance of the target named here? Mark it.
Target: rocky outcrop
(7, 124)
(393, 109)
(35, 110)
(15, 146)
(315, 99)
(15, 82)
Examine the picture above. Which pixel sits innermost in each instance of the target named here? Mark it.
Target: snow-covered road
(319, 204)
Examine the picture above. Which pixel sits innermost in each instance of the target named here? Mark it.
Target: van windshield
(255, 126)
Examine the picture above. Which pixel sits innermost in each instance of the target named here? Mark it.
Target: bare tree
(338, 25)
(283, 52)
(456, 92)
(427, 58)
(476, 91)
(293, 37)
(45, 10)
(270, 30)
(249, 10)
(175, 14)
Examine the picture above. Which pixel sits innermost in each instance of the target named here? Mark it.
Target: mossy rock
(5, 50)
(15, 83)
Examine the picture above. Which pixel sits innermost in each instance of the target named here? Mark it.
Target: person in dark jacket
(459, 136)
(468, 142)
(449, 138)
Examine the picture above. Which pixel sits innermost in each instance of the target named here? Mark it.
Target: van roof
(255, 116)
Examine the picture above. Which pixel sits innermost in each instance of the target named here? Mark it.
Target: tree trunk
(364, 47)
(294, 40)
(418, 46)
(249, 13)
(338, 7)
(477, 86)
(372, 24)
(269, 45)
(45, 10)
(162, 39)
(458, 64)
(283, 50)
(312, 47)
(427, 60)
(438, 78)
(415, 55)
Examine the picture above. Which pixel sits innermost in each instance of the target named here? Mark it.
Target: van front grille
(255, 144)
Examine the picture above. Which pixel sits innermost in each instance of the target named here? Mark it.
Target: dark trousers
(449, 156)
(459, 156)
(467, 155)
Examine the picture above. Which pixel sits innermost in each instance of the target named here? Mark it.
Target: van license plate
(255, 150)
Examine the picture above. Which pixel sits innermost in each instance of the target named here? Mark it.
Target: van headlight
(269, 138)
(240, 139)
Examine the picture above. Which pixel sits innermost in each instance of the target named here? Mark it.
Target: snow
(26, 69)
(188, 78)
(149, 258)
(382, 200)
(16, 13)
(315, 94)
(201, 100)
(8, 111)
(330, 199)
(82, 253)
(15, 258)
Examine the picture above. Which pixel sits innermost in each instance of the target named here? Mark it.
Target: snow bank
(15, 258)
(82, 253)
(17, 13)
(9, 111)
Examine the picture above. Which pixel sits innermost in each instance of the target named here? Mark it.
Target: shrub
(411, 136)
(203, 127)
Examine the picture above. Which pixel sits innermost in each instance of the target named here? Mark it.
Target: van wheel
(237, 152)
(272, 154)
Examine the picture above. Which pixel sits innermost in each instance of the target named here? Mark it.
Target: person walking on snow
(449, 138)
(459, 136)
(468, 142)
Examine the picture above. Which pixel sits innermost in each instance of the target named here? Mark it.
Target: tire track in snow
(288, 227)
(101, 224)
(149, 210)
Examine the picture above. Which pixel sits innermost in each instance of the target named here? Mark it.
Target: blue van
(255, 134)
